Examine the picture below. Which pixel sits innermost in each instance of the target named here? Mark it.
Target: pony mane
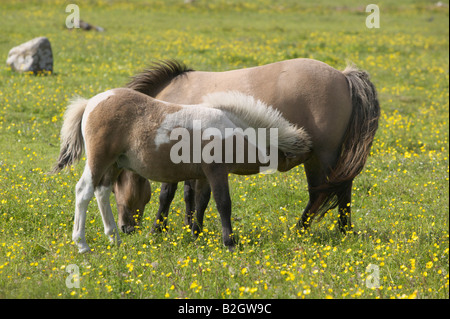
(254, 113)
(154, 78)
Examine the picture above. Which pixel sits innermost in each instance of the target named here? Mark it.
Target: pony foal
(125, 129)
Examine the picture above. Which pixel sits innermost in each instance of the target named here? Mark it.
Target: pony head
(132, 193)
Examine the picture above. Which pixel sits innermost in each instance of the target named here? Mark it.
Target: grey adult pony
(339, 109)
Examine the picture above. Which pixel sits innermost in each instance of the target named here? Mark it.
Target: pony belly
(165, 171)
(250, 168)
(175, 175)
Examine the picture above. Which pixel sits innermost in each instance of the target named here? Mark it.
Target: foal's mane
(154, 78)
(254, 113)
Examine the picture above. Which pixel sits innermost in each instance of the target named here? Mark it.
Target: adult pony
(125, 129)
(340, 111)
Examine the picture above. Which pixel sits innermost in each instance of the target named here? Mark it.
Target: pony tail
(72, 143)
(357, 140)
(364, 122)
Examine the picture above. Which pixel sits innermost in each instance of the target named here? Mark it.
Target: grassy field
(400, 246)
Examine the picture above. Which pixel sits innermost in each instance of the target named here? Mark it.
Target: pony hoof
(195, 232)
(158, 229)
(81, 244)
(115, 242)
(230, 243)
(231, 249)
(84, 249)
(302, 227)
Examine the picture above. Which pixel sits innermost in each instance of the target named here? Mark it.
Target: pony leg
(345, 213)
(202, 197)
(84, 191)
(323, 196)
(218, 179)
(165, 199)
(305, 220)
(316, 174)
(189, 199)
(102, 194)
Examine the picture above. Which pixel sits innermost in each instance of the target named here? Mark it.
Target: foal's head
(132, 193)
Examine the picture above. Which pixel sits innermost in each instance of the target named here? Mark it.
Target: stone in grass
(32, 56)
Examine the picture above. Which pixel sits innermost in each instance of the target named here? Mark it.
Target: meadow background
(400, 200)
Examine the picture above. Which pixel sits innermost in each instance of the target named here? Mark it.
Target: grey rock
(34, 55)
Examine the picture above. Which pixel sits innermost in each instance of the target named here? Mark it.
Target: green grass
(400, 200)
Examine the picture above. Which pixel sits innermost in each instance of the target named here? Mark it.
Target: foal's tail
(72, 143)
(357, 141)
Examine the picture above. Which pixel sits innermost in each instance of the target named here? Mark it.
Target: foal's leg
(218, 179)
(202, 197)
(102, 194)
(84, 191)
(165, 199)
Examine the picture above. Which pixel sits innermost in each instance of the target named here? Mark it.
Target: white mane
(244, 109)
